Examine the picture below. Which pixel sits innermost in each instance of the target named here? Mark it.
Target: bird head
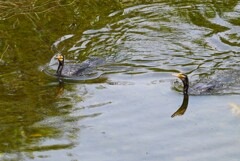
(184, 79)
(60, 57)
(181, 76)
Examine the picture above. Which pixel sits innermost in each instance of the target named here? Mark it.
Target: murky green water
(125, 114)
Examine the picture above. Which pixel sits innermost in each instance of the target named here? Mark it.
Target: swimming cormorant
(74, 69)
(198, 88)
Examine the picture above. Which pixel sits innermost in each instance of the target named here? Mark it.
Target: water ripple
(156, 37)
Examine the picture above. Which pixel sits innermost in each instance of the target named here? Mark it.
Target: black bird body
(71, 70)
(196, 89)
(221, 82)
(75, 69)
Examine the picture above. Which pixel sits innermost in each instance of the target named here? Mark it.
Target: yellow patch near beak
(59, 57)
(179, 75)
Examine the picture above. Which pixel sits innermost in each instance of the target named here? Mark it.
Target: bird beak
(179, 75)
(59, 57)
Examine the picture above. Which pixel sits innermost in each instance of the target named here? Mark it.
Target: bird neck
(185, 86)
(60, 67)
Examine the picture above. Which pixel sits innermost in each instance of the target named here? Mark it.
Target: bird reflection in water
(182, 109)
(59, 89)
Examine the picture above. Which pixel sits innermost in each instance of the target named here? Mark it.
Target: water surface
(124, 113)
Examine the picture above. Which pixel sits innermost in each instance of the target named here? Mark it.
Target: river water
(125, 112)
